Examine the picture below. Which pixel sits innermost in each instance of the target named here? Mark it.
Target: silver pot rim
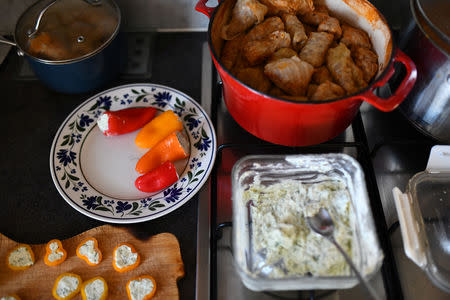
(436, 37)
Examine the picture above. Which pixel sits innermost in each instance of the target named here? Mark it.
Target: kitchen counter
(32, 211)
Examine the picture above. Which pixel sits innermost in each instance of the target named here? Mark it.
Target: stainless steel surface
(203, 235)
(428, 104)
(34, 30)
(7, 42)
(323, 224)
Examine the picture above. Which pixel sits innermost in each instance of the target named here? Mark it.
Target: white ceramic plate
(95, 174)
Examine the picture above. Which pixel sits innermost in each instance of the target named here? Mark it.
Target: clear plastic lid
(424, 215)
(67, 29)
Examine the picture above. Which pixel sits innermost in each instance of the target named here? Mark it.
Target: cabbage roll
(245, 14)
(316, 47)
(257, 51)
(344, 70)
(354, 37)
(331, 25)
(295, 28)
(327, 90)
(321, 75)
(292, 75)
(367, 61)
(282, 53)
(288, 6)
(230, 52)
(263, 29)
(315, 17)
(255, 78)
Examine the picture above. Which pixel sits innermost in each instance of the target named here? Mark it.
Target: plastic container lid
(68, 29)
(424, 216)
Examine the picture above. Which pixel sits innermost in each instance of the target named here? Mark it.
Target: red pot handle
(402, 91)
(201, 7)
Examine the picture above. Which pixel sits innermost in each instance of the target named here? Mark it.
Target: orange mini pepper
(157, 129)
(88, 251)
(85, 288)
(20, 257)
(61, 290)
(131, 283)
(171, 148)
(54, 254)
(122, 254)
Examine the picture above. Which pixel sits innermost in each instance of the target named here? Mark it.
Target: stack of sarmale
(296, 50)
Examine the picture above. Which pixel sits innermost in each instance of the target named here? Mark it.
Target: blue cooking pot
(76, 48)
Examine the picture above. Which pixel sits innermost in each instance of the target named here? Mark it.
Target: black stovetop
(32, 211)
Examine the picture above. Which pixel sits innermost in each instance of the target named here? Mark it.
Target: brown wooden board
(160, 258)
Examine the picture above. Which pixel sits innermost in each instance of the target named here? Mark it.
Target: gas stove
(389, 149)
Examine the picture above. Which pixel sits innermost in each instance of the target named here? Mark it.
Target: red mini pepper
(125, 120)
(157, 179)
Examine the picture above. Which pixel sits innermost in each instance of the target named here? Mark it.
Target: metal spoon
(323, 224)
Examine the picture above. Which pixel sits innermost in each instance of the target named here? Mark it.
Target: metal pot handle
(402, 91)
(4, 40)
(207, 10)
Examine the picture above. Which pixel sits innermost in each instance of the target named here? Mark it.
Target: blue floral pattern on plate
(65, 154)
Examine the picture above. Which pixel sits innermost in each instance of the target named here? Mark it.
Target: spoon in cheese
(323, 224)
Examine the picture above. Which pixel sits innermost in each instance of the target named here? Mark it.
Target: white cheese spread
(140, 288)
(283, 244)
(8, 298)
(124, 257)
(66, 286)
(88, 250)
(94, 290)
(55, 253)
(102, 122)
(20, 257)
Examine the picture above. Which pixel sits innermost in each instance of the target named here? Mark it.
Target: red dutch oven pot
(293, 123)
